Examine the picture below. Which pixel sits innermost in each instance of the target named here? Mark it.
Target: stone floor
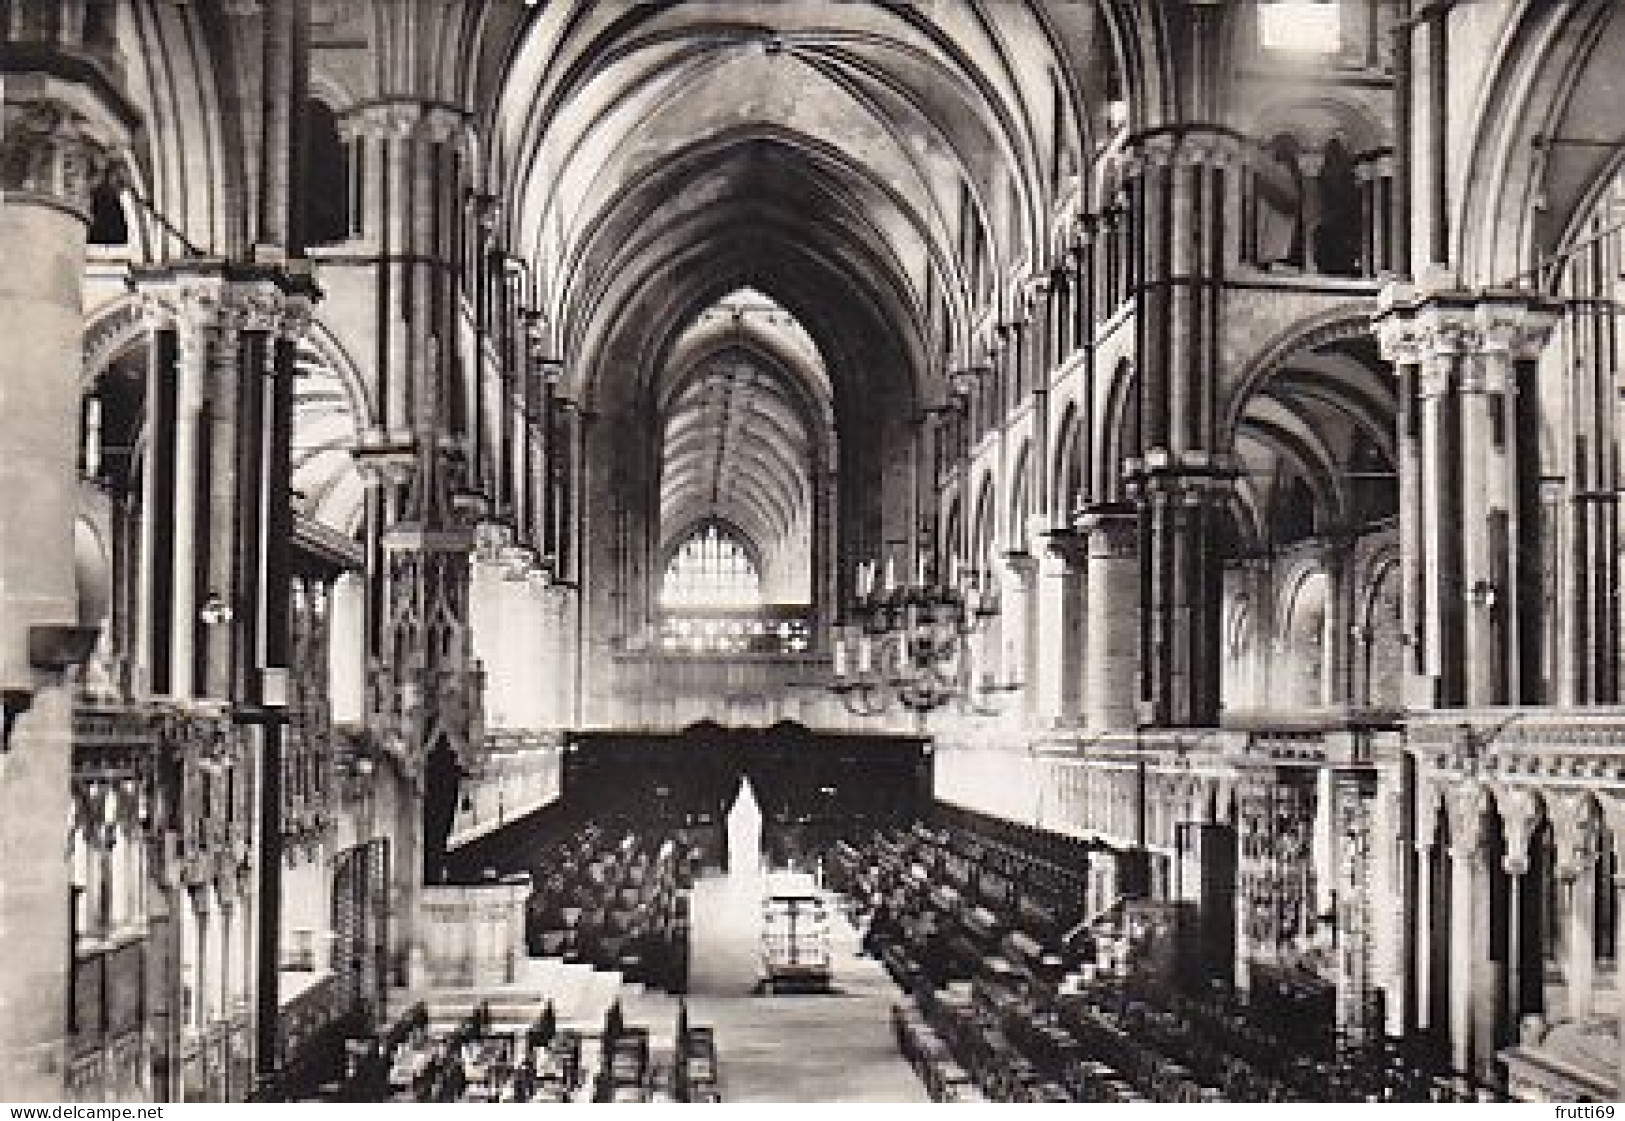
(835, 1047)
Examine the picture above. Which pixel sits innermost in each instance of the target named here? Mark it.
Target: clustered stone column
(1182, 201)
(1469, 496)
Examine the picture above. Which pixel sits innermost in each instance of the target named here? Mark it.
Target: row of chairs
(1010, 1010)
(619, 902)
(696, 1075)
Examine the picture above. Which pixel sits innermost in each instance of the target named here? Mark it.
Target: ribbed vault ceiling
(1321, 423)
(832, 154)
(744, 407)
(867, 176)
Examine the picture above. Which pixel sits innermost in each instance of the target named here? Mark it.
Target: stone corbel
(1575, 832)
(1520, 815)
(1428, 809)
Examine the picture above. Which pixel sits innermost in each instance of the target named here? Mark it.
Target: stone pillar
(1111, 662)
(1017, 623)
(1181, 652)
(218, 379)
(1470, 488)
(1337, 639)
(1423, 968)
(1515, 868)
(1519, 815)
(1391, 848)
(1060, 621)
(1469, 944)
(1179, 184)
(1575, 833)
(1375, 173)
(55, 137)
(1583, 502)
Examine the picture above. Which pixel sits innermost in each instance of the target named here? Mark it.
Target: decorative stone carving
(209, 299)
(1465, 805)
(405, 119)
(1520, 815)
(1576, 829)
(54, 148)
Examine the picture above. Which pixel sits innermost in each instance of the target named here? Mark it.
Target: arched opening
(108, 224)
(1339, 233)
(326, 169)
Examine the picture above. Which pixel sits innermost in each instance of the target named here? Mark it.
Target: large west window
(711, 569)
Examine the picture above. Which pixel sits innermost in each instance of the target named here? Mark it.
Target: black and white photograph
(811, 551)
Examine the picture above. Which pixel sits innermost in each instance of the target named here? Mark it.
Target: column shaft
(1111, 663)
(52, 136)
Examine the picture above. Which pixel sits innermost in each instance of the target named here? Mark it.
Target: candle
(953, 571)
(865, 656)
(891, 574)
(840, 657)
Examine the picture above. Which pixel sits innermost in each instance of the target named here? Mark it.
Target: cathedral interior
(1121, 497)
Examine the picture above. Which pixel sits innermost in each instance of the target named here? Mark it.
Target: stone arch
(1068, 475)
(1550, 76)
(1379, 645)
(1341, 323)
(1119, 438)
(1301, 653)
(1019, 500)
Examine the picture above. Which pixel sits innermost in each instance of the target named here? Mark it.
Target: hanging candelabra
(910, 643)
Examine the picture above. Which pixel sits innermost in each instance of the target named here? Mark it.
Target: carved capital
(404, 119)
(56, 144)
(1515, 326)
(1441, 329)
(1399, 340)
(192, 303)
(382, 463)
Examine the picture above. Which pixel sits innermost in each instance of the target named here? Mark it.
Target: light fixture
(215, 611)
(910, 642)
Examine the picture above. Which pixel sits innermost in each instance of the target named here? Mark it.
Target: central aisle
(794, 1048)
